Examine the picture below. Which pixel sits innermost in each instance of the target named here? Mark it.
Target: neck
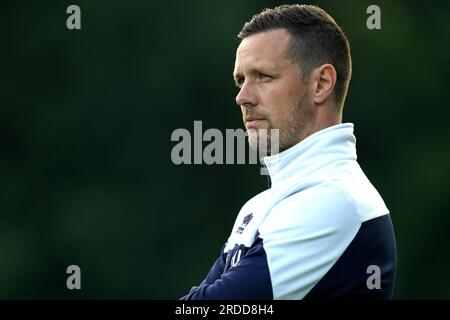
(325, 116)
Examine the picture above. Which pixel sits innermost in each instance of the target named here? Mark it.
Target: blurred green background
(86, 118)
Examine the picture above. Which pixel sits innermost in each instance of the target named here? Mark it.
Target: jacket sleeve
(248, 280)
(305, 236)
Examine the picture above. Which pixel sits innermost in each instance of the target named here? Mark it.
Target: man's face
(272, 94)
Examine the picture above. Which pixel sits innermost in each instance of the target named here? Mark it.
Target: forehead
(264, 48)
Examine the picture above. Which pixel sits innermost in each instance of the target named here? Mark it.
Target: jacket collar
(310, 159)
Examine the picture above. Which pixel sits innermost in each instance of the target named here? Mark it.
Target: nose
(246, 95)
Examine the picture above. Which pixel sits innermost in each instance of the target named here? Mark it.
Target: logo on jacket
(234, 256)
(244, 223)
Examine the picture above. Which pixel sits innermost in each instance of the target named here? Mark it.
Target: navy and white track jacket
(321, 231)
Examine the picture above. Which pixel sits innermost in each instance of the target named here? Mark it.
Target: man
(321, 231)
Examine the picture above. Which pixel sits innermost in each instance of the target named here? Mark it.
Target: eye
(239, 82)
(265, 77)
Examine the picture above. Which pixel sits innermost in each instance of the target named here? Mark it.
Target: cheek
(281, 102)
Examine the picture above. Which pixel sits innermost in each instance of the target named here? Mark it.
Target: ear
(324, 82)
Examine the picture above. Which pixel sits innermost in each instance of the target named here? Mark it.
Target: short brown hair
(316, 39)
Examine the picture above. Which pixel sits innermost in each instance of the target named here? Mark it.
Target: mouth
(251, 122)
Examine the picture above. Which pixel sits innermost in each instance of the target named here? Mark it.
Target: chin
(253, 140)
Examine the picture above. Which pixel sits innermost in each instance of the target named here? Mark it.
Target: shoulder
(351, 180)
(325, 207)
